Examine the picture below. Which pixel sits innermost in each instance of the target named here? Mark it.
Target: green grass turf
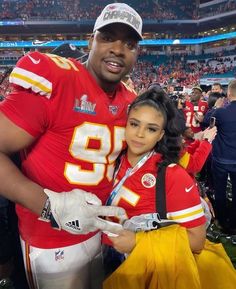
(214, 234)
(230, 249)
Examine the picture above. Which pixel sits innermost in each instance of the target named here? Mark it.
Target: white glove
(146, 222)
(77, 212)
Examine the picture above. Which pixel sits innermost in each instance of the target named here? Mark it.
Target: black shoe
(233, 239)
(223, 227)
(216, 234)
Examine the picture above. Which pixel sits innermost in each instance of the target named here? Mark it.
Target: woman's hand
(124, 242)
(209, 134)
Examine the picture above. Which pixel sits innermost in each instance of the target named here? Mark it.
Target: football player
(69, 119)
(194, 110)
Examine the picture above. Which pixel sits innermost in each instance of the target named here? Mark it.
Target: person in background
(195, 152)
(127, 80)
(194, 111)
(224, 160)
(213, 100)
(69, 119)
(217, 87)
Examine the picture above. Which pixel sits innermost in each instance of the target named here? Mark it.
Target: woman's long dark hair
(170, 145)
(213, 96)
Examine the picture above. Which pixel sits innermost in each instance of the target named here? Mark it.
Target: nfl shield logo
(59, 255)
(113, 109)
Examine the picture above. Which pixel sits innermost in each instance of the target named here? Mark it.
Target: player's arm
(67, 208)
(194, 161)
(125, 241)
(198, 157)
(13, 184)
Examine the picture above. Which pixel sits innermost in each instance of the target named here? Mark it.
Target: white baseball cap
(120, 13)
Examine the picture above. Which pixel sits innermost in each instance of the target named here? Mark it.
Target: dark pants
(111, 259)
(225, 210)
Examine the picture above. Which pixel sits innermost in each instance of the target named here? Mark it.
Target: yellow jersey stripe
(184, 160)
(27, 80)
(186, 211)
(186, 215)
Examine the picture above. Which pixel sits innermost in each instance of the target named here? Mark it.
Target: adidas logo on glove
(73, 225)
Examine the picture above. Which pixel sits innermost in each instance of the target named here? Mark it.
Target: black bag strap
(161, 192)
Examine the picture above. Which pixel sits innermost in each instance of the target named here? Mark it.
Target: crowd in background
(177, 73)
(174, 70)
(82, 9)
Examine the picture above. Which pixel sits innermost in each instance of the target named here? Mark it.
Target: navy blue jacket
(224, 145)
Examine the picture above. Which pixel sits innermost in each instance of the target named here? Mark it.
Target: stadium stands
(217, 8)
(74, 10)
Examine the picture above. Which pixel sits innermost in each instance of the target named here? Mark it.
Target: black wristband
(53, 222)
(46, 212)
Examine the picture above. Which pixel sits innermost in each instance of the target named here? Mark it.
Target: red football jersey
(194, 156)
(78, 130)
(138, 193)
(189, 111)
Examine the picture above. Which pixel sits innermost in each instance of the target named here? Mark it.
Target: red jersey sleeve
(33, 72)
(191, 148)
(27, 111)
(195, 156)
(37, 79)
(183, 200)
(32, 87)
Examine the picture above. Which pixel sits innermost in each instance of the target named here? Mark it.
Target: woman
(152, 142)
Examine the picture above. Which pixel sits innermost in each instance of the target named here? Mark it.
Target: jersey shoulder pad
(32, 72)
(40, 72)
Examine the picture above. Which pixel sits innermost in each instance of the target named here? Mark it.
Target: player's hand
(78, 212)
(198, 117)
